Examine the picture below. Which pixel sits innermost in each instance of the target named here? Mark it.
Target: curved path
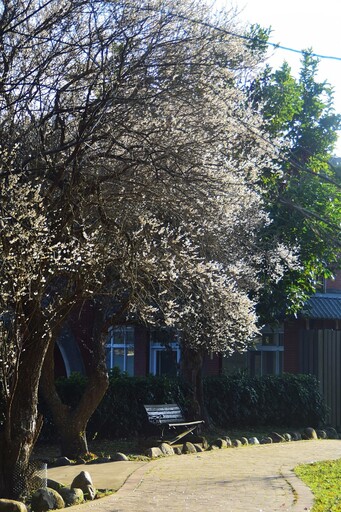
(247, 479)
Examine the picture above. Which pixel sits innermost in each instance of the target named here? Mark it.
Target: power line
(245, 37)
(302, 52)
(257, 40)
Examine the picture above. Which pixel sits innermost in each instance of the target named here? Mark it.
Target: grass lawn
(324, 479)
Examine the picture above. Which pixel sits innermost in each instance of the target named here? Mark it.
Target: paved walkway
(247, 479)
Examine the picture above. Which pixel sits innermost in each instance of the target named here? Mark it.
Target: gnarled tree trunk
(22, 422)
(71, 423)
(191, 371)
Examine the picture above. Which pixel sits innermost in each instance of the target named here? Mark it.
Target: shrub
(238, 400)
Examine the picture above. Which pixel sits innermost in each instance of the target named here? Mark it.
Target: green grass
(324, 479)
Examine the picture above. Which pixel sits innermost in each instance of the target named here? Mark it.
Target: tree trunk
(191, 371)
(22, 423)
(71, 423)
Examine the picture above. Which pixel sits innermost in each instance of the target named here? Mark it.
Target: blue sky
(299, 24)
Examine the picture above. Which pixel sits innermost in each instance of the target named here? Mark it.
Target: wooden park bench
(170, 416)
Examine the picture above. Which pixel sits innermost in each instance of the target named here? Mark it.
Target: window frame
(126, 345)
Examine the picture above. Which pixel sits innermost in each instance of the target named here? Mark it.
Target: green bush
(238, 400)
(121, 412)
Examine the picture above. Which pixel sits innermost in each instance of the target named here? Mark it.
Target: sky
(300, 24)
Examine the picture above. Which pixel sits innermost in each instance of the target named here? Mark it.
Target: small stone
(309, 433)
(228, 440)
(61, 461)
(198, 447)
(204, 442)
(154, 452)
(177, 450)
(296, 436)
(118, 456)
(72, 496)
(90, 492)
(53, 484)
(331, 433)
(236, 443)
(244, 441)
(46, 499)
(321, 434)
(188, 448)
(99, 460)
(12, 506)
(220, 443)
(166, 449)
(287, 437)
(253, 440)
(266, 440)
(79, 460)
(276, 437)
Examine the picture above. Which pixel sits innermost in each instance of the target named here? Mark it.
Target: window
(120, 348)
(164, 352)
(266, 358)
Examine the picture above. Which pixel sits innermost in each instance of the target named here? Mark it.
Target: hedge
(239, 400)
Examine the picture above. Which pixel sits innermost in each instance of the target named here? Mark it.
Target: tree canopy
(303, 198)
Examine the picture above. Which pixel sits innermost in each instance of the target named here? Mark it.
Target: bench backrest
(165, 413)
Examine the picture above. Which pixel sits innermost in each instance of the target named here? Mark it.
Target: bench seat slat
(186, 424)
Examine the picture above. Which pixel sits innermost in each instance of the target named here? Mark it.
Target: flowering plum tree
(133, 173)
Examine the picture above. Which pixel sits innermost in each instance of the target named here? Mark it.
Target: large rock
(177, 450)
(12, 506)
(198, 447)
(83, 481)
(244, 441)
(72, 496)
(46, 499)
(253, 440)
(166, 449)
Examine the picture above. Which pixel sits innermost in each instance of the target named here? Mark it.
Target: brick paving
(246, 479)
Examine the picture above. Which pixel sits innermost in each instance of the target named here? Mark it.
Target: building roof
(323, 305)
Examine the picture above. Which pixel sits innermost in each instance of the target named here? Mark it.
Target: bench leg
(183, 434)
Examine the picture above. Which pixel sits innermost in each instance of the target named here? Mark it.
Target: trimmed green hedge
(239, 400)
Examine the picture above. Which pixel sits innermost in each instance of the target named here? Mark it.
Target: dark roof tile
(323, 305)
